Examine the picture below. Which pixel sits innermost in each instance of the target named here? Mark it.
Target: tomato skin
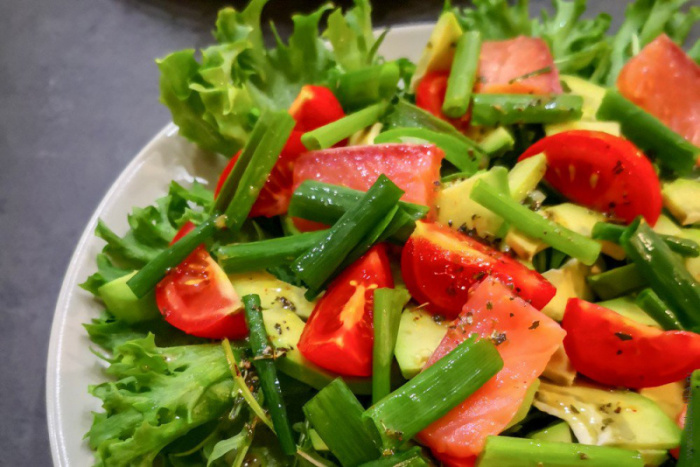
(617, 351)
(527, 341)
(603, 172)
(197, 297)
(339, 333)
(663, 80)
(440, 265)
(430, 95)
(314, 107)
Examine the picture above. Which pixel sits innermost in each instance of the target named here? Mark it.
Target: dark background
(78, 99)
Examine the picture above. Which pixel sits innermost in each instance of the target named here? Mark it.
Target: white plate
(71, 367)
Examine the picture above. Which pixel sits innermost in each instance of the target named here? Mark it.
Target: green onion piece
(462, 75)
(321, 262)
(155, 270)
(360, 88)
(434, 392)
(256, 256)
(613, 232)
(265, 366)
(665, 272)
(502, 451)
(497, 142)
(336, 415)
(509, 109)
(690, 440)
(652, 305)
(388, 305)
(279, 126)
(532, 224)
(649, 133)
(333, 133)
(617, 282)
(466, 157)
(411, 458)
(406, 115)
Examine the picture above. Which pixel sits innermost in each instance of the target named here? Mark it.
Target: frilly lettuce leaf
(159, 395)
(585, 47)
(215, 101)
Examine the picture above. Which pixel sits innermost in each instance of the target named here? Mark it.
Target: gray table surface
(78, 99)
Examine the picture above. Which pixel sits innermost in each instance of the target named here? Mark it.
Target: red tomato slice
(440, 265)
(339, 333)
(197, 297)
(430, 95)
(414, 168)
(314, 107)
(663, 80)
(502, 64)
(525, 338)
(603, 172)
(617, 351)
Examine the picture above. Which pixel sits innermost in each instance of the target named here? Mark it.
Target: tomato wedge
(339, 333)
(603, 172)
(414, 168)
(314, 107)
(523, 65)
(430, 95)
(525, 339)
(197, 297)
(617, 351)
(440, 265)
(663, 80)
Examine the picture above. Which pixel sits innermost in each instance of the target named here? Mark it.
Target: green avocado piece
(440, 49)
(526, 404)
(124, 305)
(556, 433)
(418, 337)
(592, 94)
(682, 199)
(273, 292)
(525, 175)
(607, 417)
(456, 209)
(627, 307)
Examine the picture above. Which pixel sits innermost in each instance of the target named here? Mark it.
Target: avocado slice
(559, 369)
(284, 327)
(606, 417)
(557, 433)
(668, 397)
(418, 336)
(124, 305)
(457, 210)
(613, 128)
(592, 94)
(682, 198)
(273, 292)
(526, 175)
(496, 141)
(570, 282)
(627, 307)
(526, 405)
(440, 49)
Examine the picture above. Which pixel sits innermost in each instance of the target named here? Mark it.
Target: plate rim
(52, 386)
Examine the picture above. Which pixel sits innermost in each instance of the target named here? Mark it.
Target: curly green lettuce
(215, 101)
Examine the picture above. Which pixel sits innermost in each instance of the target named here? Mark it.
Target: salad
(489, 257)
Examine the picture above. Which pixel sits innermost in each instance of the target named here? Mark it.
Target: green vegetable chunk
(462, 75)
(509, 109)
(665, 272)
(333, 133)
(652, 305)
(617, 282)
(366, 86)
(613, 232)
(388, 304)
(320, 263)
(434, 392)
(649, 133)
(336, 415)
(502, 451)
(690, 440)
(411, 458)
(265, 366)
(532, 224)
